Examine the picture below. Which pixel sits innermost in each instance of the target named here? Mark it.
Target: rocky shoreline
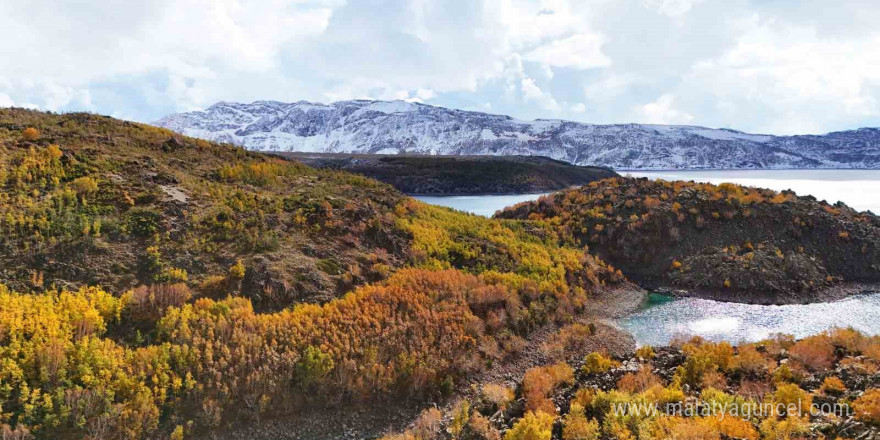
(693, 386)
(724, 242)
(828, 294)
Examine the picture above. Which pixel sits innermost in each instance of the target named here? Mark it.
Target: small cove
(662, 318)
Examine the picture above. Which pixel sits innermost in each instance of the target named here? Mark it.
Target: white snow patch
(727, 135)
(389, 107)
(487, 135)
(306, 106)
(523, 136)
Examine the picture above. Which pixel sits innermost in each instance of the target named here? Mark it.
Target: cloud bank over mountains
(779, 66)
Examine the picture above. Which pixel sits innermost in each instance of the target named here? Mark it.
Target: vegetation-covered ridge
(153, 284)
(723, 241)
(820, 387)
(92, 200)
(460, 175)
(211, 362)
(89, 199)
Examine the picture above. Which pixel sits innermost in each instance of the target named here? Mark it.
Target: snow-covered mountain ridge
(364, 126)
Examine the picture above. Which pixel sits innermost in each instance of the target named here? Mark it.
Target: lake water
(480, 205)
(664, 317)
(859, 189)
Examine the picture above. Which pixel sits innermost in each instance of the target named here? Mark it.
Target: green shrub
(329, 266)
(143, 222)
(313, 367)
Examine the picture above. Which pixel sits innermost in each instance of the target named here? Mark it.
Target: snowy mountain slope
(390, 127)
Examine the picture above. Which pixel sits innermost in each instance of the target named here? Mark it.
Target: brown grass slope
(91, 200)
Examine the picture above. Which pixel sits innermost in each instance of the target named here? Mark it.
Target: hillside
(725, 242)
(400, 127)
(155, 286)
(94, 200)
(459, 175)
(821, 387)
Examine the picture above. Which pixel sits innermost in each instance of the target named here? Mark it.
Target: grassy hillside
(154, 285)
(460, 175)
(725, 241)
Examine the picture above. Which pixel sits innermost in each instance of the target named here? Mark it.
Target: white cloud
(547, 71)
(518, 85)
(421, 95)
(611, 86)
(80, 41)
(65, 48)
(533, 93)
(661, 111)
(671, 7)
(582, 51)
(530, 23)
(795, 74)
(6, 101)
(56, 96)
(777, 66)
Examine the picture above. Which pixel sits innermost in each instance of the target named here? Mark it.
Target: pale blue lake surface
(480, 205)
(664, 317)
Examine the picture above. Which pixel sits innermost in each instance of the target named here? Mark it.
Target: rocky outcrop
(723, 242)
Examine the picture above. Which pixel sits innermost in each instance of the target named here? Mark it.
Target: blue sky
(772, 66)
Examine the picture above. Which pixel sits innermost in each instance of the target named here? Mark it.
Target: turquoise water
(663, 318)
